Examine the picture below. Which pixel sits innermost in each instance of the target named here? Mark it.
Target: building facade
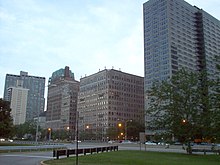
(35, 97)
(62, 101)
(18, 104)
(107, 98)
(178, 35)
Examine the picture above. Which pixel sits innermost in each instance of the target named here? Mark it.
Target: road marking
(29, 156)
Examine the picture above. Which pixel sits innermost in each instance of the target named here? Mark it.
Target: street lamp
(68, 132)
(119, 125)
(126, 128)
(77, 136)
(49, 130)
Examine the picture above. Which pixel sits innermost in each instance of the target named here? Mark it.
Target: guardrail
(206, 150)
(4, 149)
(68, 152)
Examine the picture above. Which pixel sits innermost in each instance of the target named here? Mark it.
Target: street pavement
(24, 158)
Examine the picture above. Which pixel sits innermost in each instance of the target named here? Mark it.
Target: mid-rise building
(62, 101)
(177, 35)
(35, 86)
(107, 98)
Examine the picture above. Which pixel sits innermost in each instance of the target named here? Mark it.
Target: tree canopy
(185, 107)
(6, 122)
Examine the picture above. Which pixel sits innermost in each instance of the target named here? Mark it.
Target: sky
(42, 36)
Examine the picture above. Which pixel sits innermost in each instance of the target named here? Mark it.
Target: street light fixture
(49, 130)
(68, 133)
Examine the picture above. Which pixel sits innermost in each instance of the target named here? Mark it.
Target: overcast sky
(42, 36)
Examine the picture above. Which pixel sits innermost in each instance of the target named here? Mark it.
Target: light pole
(49, 130)
(126, 128)
(38, 111)
(77, 136)
(68, 133)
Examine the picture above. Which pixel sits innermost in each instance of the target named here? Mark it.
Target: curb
(42, 163)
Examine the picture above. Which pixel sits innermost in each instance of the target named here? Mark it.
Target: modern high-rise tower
(178, 35)
(35, 97)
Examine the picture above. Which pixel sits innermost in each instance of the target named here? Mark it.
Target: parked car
(150, 143)
(163, 143)
(178, 143)
(126, 142)
(111, 141)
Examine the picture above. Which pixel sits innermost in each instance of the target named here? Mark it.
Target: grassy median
(139, 158)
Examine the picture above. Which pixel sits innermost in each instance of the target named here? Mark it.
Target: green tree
(27, 128)
(6, 122)
(215, 101)
(112, 133)
(133, 130)
(181, 106)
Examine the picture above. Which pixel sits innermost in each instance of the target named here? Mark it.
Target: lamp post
(126, 128)
(38, 111)
(77, 136)
(120, 131)
(49, 130)
(68, 133)
(120, 125)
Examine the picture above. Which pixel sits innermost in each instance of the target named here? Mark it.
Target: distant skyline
(40, 37)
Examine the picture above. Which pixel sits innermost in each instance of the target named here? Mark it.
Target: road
(24, 158)
(34, 158)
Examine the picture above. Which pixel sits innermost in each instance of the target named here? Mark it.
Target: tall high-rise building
(62, 101)
(107, 98)
(35, 97)
(178, 35)
(18, 103)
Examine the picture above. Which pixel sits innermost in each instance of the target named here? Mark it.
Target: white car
(126, 142)
(110, 141)
(150, 143)
(2, 140)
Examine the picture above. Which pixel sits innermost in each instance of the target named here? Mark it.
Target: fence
(68, 152)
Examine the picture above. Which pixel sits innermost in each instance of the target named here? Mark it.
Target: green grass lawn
(139, 158)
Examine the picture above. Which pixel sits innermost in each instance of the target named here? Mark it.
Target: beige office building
(108, 97)
(18, 100)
